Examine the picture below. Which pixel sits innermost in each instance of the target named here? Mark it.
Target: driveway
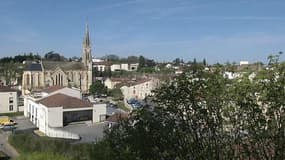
(23, 124)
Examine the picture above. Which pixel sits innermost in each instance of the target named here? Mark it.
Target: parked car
(5, 120)
(8, 127)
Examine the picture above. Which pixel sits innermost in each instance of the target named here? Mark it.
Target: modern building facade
(53, 108)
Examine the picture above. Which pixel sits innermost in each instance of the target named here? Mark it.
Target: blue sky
(218, 30)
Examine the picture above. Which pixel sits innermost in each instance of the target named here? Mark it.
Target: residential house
(111, 83)
(139, 88)
(8, 100)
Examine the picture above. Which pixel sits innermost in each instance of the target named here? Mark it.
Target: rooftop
(7, 89)
(52, 89)
(34, 67)
(51, 65)
(61, 100)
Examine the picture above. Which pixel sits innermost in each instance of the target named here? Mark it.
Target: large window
(76, 116)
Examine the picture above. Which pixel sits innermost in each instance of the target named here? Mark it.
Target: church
(57, 73)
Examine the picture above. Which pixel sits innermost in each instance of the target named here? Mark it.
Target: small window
(10, 107)
(10, 99)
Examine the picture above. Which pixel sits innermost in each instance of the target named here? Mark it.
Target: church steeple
(87, 57)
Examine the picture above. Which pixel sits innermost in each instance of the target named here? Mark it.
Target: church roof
(58, 100)
(52, 89)
(51, 65)
(34, 67)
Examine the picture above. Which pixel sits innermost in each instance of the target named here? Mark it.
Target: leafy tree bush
(203, 115)
(98, 88)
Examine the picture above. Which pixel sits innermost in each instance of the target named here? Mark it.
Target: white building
(139, 89)
(100, 66)
(124, 67)
(115, 67)
(8, 100)
(111, 83)
(133, 66)
(51, 109)
(243, 63)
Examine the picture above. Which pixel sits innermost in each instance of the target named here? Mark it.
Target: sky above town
(217, 30)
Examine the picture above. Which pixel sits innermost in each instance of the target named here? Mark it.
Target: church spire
(87, 57)
(86, 42)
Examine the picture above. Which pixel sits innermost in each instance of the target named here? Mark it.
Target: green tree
(141, 62)
(202, 115)
(98, 88)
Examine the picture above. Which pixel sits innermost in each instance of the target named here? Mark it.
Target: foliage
(178, 61)
(116, 93)
(41, 156)
(122, 105)
(203, 115)
(11, 72)
(32, 147)
(20, 58)
(52, 56)
(98, 88)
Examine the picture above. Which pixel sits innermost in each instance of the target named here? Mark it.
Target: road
(5, 146)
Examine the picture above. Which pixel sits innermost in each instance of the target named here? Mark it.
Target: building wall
(110, 84)
(74, 78)
(100, 67)
(8, 102)
(99, 111)
(125, 66)
(141, 90)
(134, 66)
(115, 67)
(55, 117)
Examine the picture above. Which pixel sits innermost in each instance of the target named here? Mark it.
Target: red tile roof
(58, 100)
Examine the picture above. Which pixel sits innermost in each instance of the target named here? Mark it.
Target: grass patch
(13, 114)
(32, 147)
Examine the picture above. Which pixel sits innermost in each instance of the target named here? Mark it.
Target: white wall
(4, 102)
(125, 66)
(100, 67)
(115, 67)
(141, 90)
(134, 66)
(55, 117)
(59, 133)
(98, 110)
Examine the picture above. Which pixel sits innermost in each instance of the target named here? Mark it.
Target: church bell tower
(87, 59)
